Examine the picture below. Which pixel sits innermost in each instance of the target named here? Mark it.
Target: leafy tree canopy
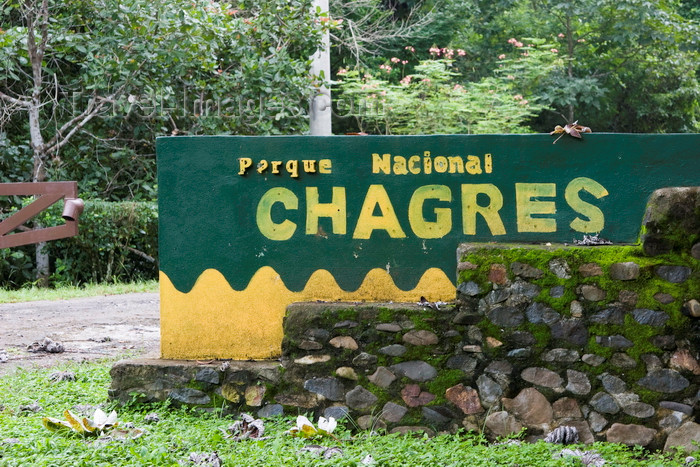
(144, 69)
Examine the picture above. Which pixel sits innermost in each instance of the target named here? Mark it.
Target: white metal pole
(320, 111)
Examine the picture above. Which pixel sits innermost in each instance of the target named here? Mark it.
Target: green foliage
(16, 267)
(116, 242)
(628, 65)
(431, 100)
(157, 68)
(631, 65)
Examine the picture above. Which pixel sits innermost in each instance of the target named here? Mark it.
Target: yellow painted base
(215, 321)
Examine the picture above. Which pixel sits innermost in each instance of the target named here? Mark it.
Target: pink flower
(342, 71)
(458, 87)
(512, 40)
(518, 97)
(502, 56)
(395, 60)
(434, 51)
(554, 51)
(510, 77)
(387, 69)
(461, 52)
(518, 44)
(409, 48)
(425, 80)
(406, 80)
(525, 54)
(403, 62)
(560, 35)
(581, 40)
(523, 102)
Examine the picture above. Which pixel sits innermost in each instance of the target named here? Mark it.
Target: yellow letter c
(284, 230)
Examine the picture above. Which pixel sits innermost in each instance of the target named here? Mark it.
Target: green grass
(25, 442)
(88, 290)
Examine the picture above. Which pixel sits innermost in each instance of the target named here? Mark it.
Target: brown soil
(89, 329)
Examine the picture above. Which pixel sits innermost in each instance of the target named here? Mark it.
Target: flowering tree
(432, 100)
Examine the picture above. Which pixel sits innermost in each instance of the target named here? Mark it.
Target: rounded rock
(627, 271)
(336, 411)
(392, 412)
(329, 388)
(578, 382)
(673, 274)
(347, 373)
(639, 410)
(560, 268)
(360, 398)
(650, 317)
(632, 435)
(420, 337)
(470, 288)
(542, 377)
(382, 377)
(687, 437)
(502, 424)
(526, 270)
(692, 307)
(416, 370)
(590, 270)
(393, 350)
(592, 293)
(576, 309)
(557, 291)
(695, 251)
(344, 342)
(604, 402)
(664, 380)
(663, 298)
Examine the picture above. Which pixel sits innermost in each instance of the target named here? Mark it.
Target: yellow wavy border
(215, 321)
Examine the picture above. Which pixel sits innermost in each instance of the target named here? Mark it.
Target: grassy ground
(181, 432)
(62, 293)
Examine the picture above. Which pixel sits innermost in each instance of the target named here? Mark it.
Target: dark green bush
(118, 241)
(16, 267)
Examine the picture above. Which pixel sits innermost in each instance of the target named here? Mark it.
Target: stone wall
(602, 338)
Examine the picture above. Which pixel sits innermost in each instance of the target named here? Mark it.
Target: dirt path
(89, 329)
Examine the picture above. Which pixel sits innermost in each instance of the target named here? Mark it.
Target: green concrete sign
(352, 204)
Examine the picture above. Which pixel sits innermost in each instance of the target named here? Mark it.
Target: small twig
(140, 253)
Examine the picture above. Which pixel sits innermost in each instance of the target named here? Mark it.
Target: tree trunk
(39, 175)
(38, 19)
